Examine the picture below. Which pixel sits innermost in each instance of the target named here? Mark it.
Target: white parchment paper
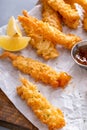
(72, 100)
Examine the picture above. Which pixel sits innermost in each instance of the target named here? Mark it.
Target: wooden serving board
(10, 117)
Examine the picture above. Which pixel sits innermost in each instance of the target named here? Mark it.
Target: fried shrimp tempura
(83, 3)
(38, 70)
(47, 113)
(44, 47)
(69, 14)
(51, 16)
(72, 25)
(49, 32)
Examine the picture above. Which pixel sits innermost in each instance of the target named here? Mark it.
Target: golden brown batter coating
(83, 3)
(47, 113)
(69, 14)
(44, 47)
(49, 32)
(38, 70)
(51, 16)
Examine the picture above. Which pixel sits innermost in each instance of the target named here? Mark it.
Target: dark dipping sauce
(81, 54)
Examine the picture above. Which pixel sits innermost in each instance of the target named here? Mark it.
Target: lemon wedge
(13, 28)
(13, 43)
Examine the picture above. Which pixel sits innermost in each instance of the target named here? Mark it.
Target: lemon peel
(13, 43)
(13, 29)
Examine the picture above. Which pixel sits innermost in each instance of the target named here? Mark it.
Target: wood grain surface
(10, 117)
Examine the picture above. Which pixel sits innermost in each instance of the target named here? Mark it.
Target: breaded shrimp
(69, 14)
(72, 25)
(83, 3)
(51, 16)
(38, 70)
(49, 32)
(44, 47)
(47, 113)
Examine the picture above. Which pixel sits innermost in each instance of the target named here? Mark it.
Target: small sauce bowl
(79, 54)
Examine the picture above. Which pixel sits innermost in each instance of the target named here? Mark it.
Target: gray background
(13, 7)
(10, 8)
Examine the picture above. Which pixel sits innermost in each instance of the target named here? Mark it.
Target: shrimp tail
(9, 55)
(25, 13)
